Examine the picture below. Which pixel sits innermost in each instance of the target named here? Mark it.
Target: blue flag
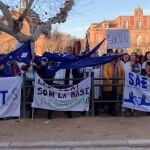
(59, 57)
(90, 62)
(67, 58)
(37, 59)
(22, 54)
(90, 53)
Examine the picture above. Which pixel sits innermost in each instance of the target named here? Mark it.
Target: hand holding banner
(75, 98)
(136, 92)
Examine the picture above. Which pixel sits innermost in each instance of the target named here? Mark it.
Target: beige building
(138, 25)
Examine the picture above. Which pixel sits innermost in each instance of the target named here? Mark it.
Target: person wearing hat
(43, 70)
(46, 71)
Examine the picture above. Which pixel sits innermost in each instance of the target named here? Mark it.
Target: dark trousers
(76, 74)
(29, 97)
(111, 97)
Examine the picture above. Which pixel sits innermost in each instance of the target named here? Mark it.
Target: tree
(58, 43)
(13, 26)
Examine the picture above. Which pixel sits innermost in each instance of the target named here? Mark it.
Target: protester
(112, 70)
(68, 72)
(15, 68)
(124, 60)
(147, 69)
(1, 70)
(30, 77)
(46, 71)
(141, 59)
(42, 69)
(60, 74)
(97, 89)
(7, 69)
(133, 65)
(76, 74)
(145, 65)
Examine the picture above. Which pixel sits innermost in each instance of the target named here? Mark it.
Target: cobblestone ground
(76, 129)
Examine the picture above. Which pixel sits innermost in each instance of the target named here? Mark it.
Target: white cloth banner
(10, 97)
(119, 38)
(137, 92)
(75, 98)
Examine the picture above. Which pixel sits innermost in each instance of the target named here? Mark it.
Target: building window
(98, 38)
(138, 40)
(138, 24)
(125, 24)
(105, 25)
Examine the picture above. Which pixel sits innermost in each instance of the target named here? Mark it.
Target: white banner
(75, 98)
(137, 92)
(10, 97)
(119, 38)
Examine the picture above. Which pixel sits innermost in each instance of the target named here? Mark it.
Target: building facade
(138, 25)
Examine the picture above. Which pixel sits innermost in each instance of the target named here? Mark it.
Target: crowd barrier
(28, 89)
(99, 101)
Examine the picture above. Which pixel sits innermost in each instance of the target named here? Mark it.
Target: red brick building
(138, 25)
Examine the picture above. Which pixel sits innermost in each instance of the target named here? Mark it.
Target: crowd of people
(109, 73)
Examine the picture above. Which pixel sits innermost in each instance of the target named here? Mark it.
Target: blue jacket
(7, 71)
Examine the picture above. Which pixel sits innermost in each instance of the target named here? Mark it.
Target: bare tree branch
(15, 25)
(5, 10)
(25, 12)
(19, 36)
(60, 17)
(5, 28)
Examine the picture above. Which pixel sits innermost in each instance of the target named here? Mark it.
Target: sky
(86, 12)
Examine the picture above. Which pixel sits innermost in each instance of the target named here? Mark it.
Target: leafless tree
(58, 42)
(44, 13)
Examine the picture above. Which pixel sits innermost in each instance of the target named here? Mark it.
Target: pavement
(78, 133)
(143, 144)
